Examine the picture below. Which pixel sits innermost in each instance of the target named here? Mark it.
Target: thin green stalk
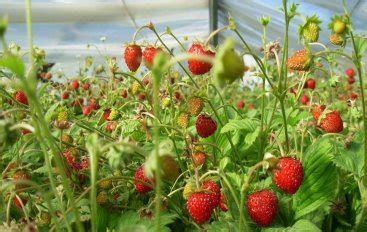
(157, 73)
(38, 114)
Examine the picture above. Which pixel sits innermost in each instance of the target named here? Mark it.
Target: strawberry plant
(164, 139)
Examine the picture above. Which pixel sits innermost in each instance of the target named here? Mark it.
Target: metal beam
(213, 19)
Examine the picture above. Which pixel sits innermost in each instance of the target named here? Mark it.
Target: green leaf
(319, 182)
(239, 124)
(300, 226)
(13, 63)
(350, 159)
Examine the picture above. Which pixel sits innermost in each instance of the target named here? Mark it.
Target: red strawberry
(350, 72)
(205, 126)
(93, 103)
(198, 158)
(222, 203)
(199, 67)
(304, 99)
(351, 80)
(213, 189)
(124, 93)
(240, 104)
(262, 206)
(139, 175)
(106, 114)
(20, 176)
(86, 110)
(149, 54)
(332, 122)
(310, 83)
(141, 96)
(17, 202)
(301, 60)
(21, 97)
(288, 174)
(353, 96)
(133, 56)
(86, 86)
(110, 126)
(200, 207)
(65, 95)
(317, 111)
(75, 84)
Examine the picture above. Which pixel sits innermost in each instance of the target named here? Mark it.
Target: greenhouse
(185, 115)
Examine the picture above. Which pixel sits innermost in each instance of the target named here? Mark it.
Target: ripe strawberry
(332, 122)
(304, 99)
(106, 114)
(111, 126)
(288, 174)
(86, 86)
(20, 176)
(195, 105)
(310, 83)
(351, 80)
(18, 201)
(133, 56)
(65, 95)
(86, 110)
(149, 54)
(199, 67)
(141, 96)
(262, 206)
(93, 103)
(183, 119)
(353, 96)
(198, 158)
(139, 175)
(205, 126)
(317, 111)
(301, 60)
(21, 97)
(337, 40)
(349, 72)
(124, 93)
(74, 84)
(240, 104)
(222, 203)
(200, 207)
(213, 189)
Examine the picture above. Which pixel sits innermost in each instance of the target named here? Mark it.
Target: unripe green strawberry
(188, 189)
(195, 105)
(170, 168)
(337, 39)
(183, 119)
(102, 198)
(114, 114)
(166, 102)
(63, 116)
(339, 27)
(228, 65)
(135, 87)
(105, 184)
(311, 32)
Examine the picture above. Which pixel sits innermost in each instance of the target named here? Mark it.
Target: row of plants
(172, 140)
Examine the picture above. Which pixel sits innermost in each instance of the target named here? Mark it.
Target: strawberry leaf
(319, 182)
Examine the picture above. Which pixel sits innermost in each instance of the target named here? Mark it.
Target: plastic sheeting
(64, 27)
(247, 13)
